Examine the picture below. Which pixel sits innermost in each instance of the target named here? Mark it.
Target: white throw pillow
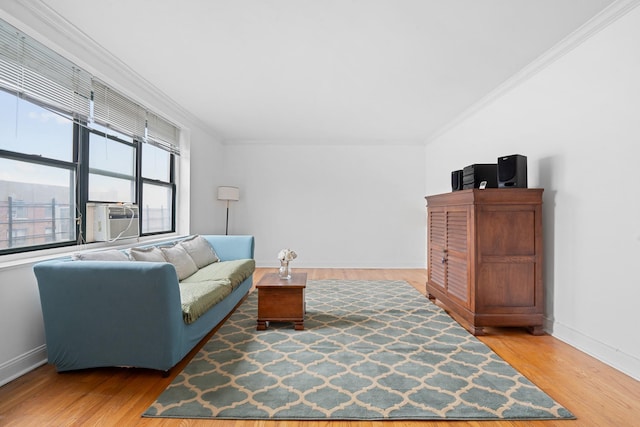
(178, 256)
(150, 254)
(108, 255)
(200, 250)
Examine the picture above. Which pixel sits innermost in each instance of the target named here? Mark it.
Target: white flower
(287, 255)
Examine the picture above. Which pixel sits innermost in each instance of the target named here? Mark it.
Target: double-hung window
(158, 190)
(68, 140)
(37, 175)
(112, 167)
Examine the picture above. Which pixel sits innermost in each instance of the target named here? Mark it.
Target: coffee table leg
(262, 325)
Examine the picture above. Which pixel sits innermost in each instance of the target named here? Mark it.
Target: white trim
(374, 265)
(22, 364)
(614, 357)
(606, 17)
(325, 142)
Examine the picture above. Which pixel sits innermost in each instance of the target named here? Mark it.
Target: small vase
(285, 271)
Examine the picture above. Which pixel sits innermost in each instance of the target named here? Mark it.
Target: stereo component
(512, 171)
(473, 175)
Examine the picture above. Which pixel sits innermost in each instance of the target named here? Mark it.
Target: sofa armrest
(232, 247)
(110, 313)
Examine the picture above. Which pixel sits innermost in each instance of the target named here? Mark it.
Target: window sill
(25, 258)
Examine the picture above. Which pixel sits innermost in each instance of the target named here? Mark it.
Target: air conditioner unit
(114, 222)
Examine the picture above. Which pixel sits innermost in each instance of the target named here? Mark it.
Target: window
(157, 190)
(37, 176)
(41, 181)
(112, 169)
(28, 128)
(35, 197)
(67, 139)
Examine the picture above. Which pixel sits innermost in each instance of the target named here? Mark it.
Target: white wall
(207, 214)
(21, 328)
(336, 206)
(578, 121)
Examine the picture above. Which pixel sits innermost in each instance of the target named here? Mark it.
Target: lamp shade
(229, 193)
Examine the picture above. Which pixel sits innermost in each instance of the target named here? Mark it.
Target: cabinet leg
(536, 330)
(477, 331)
(431, 297)
(299, 326)
(262, 325)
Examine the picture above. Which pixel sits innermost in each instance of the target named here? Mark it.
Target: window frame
(106, 173)
(43, 161)
(79, 166)
(171, 184)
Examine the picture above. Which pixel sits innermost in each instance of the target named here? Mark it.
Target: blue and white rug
(371, 350)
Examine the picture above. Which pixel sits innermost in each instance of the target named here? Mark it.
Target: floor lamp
(228, 194)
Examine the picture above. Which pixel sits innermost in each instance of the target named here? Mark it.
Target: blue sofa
(128, 313)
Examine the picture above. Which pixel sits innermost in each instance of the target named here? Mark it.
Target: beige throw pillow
(200, 250)
(108, 255)
(178, 256)
(150, 254)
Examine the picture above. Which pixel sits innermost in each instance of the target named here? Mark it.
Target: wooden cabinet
(485, 257)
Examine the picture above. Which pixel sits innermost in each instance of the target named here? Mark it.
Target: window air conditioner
(114, 222)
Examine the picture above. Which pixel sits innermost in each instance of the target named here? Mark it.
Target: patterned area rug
(371, 350)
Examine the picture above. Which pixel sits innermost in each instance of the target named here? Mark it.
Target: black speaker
(473, 175)
(456, 180)
(512, 171)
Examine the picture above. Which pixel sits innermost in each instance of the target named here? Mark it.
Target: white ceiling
(341, 71)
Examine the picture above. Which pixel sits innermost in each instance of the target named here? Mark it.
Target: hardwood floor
(597, 394)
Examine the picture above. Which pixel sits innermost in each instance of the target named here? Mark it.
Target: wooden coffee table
(281, 300)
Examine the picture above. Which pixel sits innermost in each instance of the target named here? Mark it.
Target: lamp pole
(228, 194)
(226, 231)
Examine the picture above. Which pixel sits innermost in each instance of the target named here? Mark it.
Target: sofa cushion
(108, 255)
(200, 250)
(151, 254)
(236, 271)
(181, 260)
(198, 297)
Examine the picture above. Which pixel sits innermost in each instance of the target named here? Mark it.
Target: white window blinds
(162, 134)
(116, 111)
(30, 69)
(34, 71)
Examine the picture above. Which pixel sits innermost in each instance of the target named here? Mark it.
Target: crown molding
(54, 31)
(326, 142)
(606, 17)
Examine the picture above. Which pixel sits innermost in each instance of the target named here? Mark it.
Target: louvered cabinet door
(448, 257)
(437, 248)
(457, 278)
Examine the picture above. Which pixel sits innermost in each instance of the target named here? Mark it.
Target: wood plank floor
(597, 394)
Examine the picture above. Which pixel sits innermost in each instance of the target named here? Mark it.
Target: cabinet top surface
(489, 195)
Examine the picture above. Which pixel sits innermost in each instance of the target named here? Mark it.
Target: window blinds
(117, 111)
(162, 134)
(32, 70)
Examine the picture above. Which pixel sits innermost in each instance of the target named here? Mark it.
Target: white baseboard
(22, 364)
(270, 263)
(623, 362)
